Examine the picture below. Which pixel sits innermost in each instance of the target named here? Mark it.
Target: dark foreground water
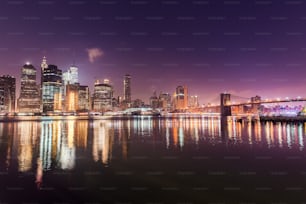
(146, 160)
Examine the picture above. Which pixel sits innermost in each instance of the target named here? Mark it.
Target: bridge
(255, 102)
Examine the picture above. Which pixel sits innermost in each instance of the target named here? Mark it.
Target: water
(152, 160)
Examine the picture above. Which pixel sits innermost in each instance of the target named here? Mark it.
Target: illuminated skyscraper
(165, 101)
(181, 98)
(7, 94)
(74, 76)
(84, 98)
(193, 101)
(70, 77)
(103, 95)
(127, 89)
(29, 100)
(72, 97)
(43, 66)
(51, 89)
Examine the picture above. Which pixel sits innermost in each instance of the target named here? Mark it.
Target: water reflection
(102, 141)
(49, 145)
(67, 146)
(46, 144)
(26, 141)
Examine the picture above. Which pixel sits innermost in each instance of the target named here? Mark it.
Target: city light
(147, 101)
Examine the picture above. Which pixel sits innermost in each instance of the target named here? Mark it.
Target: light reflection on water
(47, 145)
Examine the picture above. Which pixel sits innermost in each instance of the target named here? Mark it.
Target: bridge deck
(269, 101)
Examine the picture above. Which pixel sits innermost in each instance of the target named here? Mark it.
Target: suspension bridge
(228, 102)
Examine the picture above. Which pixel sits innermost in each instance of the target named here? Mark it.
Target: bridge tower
(256, 104)
(225, 104)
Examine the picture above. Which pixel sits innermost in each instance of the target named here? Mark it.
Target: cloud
(94, 53)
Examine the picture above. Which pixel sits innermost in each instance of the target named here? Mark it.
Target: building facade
(102, 97)
(29, 100)
(84, 98)
(127, 92)
(52, 89)
(72, 97)
(137, 103)
(181, 98)
(70, 77)
(7, 94)
(165, 101)
(154, 102)
(194, 101)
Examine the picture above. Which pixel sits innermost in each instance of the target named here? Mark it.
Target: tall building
(74, 76)
(7, 94)
(165, 101)
(29, 99)
(127, 89)
(181, 98)
(194, 101)
(154, 101)
(102, 97)
(72, 97)
(43, 66)
(70, 77)
(84, 98)
(51, 89)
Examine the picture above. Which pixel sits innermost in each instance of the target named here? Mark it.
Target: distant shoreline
(100, 117)
(127, 117)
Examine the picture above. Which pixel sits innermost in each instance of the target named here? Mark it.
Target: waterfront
(152, 160)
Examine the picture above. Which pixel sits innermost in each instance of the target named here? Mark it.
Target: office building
(102, 97)
(181, 98)
(52, 89)
(138, 103)
(194, 101)
(154, 102)
(84, 98)
(127, 93)
(70, 77)
(72, 97)
(165, 101)
(7, 94)
(43, 66)
(29, 99)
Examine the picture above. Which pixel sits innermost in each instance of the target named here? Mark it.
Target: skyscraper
(84, 98)
(72, 97)
(181, 98)
(127, 89)
(29, 99)
(43, 66)
(103, 95)
(74, 76)
(154, 101)
(7, 94)
(70, 77)
(70, 89)
(194, 101)
(51, 89)
(165, 101)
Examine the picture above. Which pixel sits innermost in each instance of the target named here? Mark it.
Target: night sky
(243, 47)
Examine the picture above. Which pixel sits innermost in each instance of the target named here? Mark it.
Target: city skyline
(119, 90)
(209, 46)
(152, 101)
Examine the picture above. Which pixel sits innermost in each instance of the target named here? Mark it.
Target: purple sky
(244, 47)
